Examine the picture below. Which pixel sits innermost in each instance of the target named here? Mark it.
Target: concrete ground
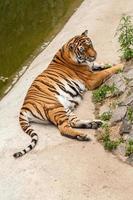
(60, 168)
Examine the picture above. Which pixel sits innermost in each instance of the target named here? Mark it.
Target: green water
(24, 26)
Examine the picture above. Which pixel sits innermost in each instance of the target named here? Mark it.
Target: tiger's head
(81, 50)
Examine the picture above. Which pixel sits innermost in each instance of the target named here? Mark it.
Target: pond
(24, 26)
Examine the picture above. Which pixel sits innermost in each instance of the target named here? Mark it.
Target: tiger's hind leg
(75, 122)
(60, 118)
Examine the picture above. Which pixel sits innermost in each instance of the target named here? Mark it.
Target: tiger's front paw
(83, 137)
(119, 67)
(97, 66)
(100, 66)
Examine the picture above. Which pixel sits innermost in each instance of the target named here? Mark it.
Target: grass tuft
(100, 94)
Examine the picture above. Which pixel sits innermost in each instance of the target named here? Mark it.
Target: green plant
(125, 37)
(107, 142)
(100, 94)
(105, 116)
(130, 114)
(129, 148)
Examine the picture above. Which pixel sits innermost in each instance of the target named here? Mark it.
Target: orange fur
(62, 83)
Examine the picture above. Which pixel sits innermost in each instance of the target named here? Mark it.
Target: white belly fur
(66, 99)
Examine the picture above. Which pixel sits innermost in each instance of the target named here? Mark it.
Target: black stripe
(37, 109)
(55, 61)
(76, 85)
(62, 76)
(24, 151)
(53, 74)
(55, 79)
(30, 147)
(34, 140)
(30, 111)
(59, 71)
(60, 59)
(54, 91)
(21, 113)
(29, 131)
(74, 89)
(45, 83)
(33, 134)
(73, 118)
(25, 127)
(76, 103)
(38, 88)
(62, 55)
(68, 92)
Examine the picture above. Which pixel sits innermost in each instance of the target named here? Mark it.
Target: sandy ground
(60, 168)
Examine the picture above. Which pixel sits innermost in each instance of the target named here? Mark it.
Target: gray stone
(129, 160)
(125, 127)
(130, 84)
(129, 66)
(104, 108)
(118, 81)
(118, 114)
(121, 150)
(128, 100)
(130, 135)
(129, 74)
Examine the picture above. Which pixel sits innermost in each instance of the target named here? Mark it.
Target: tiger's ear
(71, 46)
(85, 33)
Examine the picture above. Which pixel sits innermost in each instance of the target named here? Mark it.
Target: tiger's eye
(81, 49)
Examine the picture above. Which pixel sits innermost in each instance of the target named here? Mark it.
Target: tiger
(58, 90)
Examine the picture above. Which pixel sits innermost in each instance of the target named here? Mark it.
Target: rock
(129, 66)
(104, 108)
(129, 160)
(130, 135)
(118, 114)
(128, 100)
(130, 84)
(121, 150)
(125, 127)
(129, 74)
(118, 81)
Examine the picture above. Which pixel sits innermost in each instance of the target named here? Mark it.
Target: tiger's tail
(25, 125)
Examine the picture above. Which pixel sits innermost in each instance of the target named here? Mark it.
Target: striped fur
(59, 89)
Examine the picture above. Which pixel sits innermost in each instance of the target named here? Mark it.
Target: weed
(105, 116)
(100, 94)
(129, 148)
(107, 142)
(130, 114)
(125, 37)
